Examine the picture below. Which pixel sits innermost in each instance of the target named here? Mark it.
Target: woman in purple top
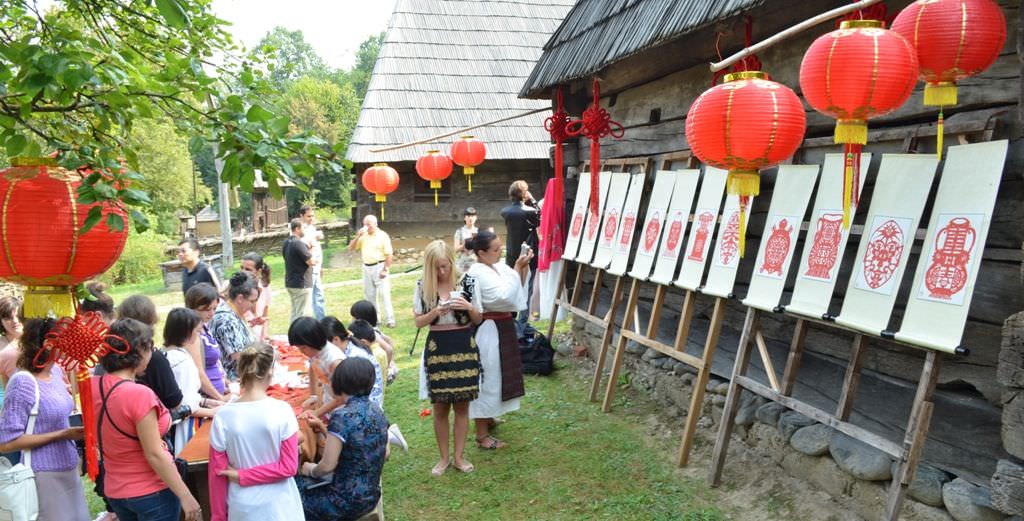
(203, 299)
(51, 444)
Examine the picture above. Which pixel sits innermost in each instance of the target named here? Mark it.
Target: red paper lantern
(434, 167)
(380, 180)
(43, 248)
(743, 125)
(468, 152)
(857, 72)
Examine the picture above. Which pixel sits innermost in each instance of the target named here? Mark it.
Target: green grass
(565, 461)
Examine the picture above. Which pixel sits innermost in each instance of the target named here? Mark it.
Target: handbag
(18, 498)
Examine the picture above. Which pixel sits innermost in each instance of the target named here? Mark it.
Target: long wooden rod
(461, 130)
(798, 28)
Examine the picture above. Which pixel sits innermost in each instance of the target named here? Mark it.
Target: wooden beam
(685, 319)
(766, 359)
(796, 351)
(606, 338)
(701, 382)
(852, 379)
(595, 292)
(664, 349)
(656, 307)
(577, 287)
(620, 349)
(557, 304)
(732, 399)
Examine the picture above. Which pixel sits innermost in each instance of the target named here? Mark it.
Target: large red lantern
(744, 125)
(954, 39)
(857, 72)
(380, 180)
(434, 167)
(468, 152)
(40, 229)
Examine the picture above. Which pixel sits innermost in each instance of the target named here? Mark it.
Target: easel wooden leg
(852, 378)
(796, 352)
(685, 319)
(557, 304)
(595, 292)
(656, 307)
(699, 383)
(606, 338)
(577, 287)
(739, 368)
(917, 432)
(766, 359)
(620, 349)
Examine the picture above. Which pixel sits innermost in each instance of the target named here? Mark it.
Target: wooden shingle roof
(447, 64)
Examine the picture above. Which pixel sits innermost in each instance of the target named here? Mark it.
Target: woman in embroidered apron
(502, 292)
(450, 304)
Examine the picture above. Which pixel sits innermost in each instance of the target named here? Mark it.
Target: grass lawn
(565, 460)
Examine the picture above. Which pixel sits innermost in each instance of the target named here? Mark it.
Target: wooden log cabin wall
(649, 93)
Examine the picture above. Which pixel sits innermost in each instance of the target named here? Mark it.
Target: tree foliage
(77, 78)
(291, 56)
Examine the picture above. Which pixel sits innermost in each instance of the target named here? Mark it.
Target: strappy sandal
(438, 470)
(489, 443)
(494, 423)
(465, 468)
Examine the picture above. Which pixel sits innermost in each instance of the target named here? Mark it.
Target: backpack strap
(103, 412)
(26, 455)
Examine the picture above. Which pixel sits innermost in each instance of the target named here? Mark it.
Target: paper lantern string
(873, 12)
(595, 124)
(747, 63)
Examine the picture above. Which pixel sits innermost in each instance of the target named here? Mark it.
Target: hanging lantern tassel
(381, 198)
(851, 182)
(44, 301)
(941, 93)
(745, 184)
(469, 171)
(939, 137)
(92, 465)
(436, 185)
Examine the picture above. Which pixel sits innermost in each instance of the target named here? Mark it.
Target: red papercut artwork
(628, 223)
(651, 233)
(882, 257)
(675, 233)
(730, 240)
(825, 246)
(700, 237)
(611, 225)
(577, 224)
(947, 274)
(776, 251)
(591, 228)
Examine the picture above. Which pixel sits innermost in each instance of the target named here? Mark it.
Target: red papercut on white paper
(883, 255)
(651, 233)
(729, 252)
(700, 237)
(828, 235)
(626, 237)
(951, 258)
(675, 235)
(577, 224)
(776, 251)
(611, 225)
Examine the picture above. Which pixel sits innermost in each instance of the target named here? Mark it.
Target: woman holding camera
(46, 439)
(503, 292)
(140, 480)
(449, 303)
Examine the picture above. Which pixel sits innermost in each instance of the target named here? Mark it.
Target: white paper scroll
(654, 224)
(826, 241)
(592, 227)
(702, 229)
(624, 242)
(614, 218)
(792, 192)
(948, 267)
(579, 217)
(899, 198)
(675, 225)
(726, 258)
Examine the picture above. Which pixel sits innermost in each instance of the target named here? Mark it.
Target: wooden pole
(796, 351)
(458, 131)
(796, 29)
(852, 379)
(732, 399)
(620, 347)
(556, 304)
(699, 383)
(606, 339)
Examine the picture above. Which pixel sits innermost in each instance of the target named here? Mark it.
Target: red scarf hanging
(595, 124)
(552, 227)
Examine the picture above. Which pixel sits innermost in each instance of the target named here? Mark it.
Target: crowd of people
(215, 366)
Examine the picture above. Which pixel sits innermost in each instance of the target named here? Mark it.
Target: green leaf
(172, 12)
(16, 144)
(140, 220)
(115, 222)
(196, 144)
(95, 215)
(258, 114)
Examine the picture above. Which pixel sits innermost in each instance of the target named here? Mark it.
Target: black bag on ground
(537, 355)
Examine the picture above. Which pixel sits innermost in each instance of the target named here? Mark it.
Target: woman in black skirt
(450, 377)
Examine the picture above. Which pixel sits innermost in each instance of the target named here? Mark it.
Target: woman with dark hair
(365, 310)
(157, 375)
(35, 422)
(449, 304)
(10, 329)
(339, 336)
(203, 299)
(228, 324)
(140, 480)
(254, 448)
(181, 328)
(503, 293)
(309, 337)
(362, 332)
(353, 456)
(99, 303)
(259, 316)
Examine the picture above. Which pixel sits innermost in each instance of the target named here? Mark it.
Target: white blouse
(500, 287)
(467, 286)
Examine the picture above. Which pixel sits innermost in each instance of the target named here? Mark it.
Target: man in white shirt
(312, 237)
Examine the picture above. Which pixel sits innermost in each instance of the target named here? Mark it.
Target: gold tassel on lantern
(939, 137)
(940, 94)
(44, 301)
(381, 198)
(436, 185)
(469, 171)
(745, 184)
(851, 131)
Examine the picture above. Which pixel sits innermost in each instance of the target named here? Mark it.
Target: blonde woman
(449, 303)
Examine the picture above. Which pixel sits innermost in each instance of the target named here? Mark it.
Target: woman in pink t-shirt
(10, 332)
(140, 480)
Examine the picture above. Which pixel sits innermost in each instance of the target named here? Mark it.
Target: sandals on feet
(465, 468)
(489, 443)
(438, 470)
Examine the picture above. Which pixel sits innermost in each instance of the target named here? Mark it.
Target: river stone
(769, 413)
(861, 460)
(635, 348)
(927, 484)
(722, 389)
(792, 421)
(749, 403)
(813, 440)
(652, 354)
(966, 501)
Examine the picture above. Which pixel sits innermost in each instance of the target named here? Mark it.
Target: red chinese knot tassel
(595, 124)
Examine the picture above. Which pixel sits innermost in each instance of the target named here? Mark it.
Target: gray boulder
(813, 440)
(651, 354)
(966, 501)
(859, 459)
(769, 413)
(927, 484)
(749, 403)
(792, 421)
(635, 348)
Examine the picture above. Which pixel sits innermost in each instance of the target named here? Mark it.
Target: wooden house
(269, 212)
(446, 65)
(652, 56)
